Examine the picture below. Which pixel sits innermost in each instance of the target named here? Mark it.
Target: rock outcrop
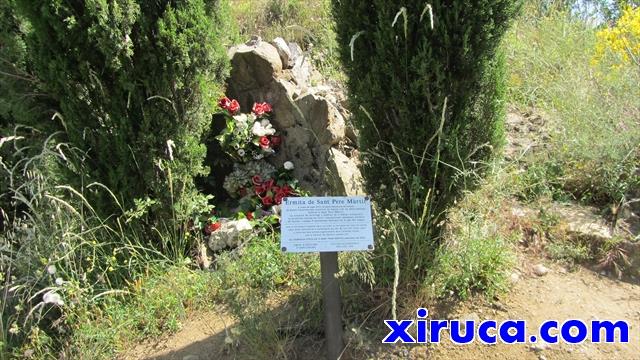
(306, 112)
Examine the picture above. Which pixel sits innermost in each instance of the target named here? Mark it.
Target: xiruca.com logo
(572, 331)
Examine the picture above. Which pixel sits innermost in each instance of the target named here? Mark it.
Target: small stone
(540, 270)
(518, 212)
(542, 357)
(471, 316)
(230, 234)
(283, 51)
(254, 41)
(499, 306)
(295, 51)
(514, 277)
(539, 347)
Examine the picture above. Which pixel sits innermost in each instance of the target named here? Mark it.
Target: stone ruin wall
(307, 112)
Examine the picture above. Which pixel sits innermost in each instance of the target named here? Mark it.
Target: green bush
(25, 110)
(136, 83)
(426, 97)
(476, 260)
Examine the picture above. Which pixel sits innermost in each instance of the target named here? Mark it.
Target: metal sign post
(331, 301)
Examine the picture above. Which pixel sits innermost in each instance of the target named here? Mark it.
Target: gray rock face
(310, 118)
(583, 222)
(343, 175)
(323, 118)
(284, 52)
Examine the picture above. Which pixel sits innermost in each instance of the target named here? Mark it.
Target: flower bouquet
(257, 187)
(250, 136)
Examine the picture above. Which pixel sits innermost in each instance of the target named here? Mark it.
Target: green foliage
(260, 268)
(569, 252)
(475, 260)
(22, 100)
(25, 110)
(157, 305)
(427, 97)
(136, 82)
(55, 242)
(592, 110)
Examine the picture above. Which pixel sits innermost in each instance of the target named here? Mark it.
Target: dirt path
(202, 337)
(558, 295)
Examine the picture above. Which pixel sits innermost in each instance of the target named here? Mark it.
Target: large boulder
(254, 66)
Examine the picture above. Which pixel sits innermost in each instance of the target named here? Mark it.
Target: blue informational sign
(326, 224)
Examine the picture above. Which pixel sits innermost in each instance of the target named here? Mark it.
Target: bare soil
(559, 295)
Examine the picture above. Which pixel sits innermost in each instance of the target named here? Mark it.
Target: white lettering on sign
(325, 224)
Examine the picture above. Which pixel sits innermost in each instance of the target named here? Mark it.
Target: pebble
(540, 270)
(539, 347)
(499, 306)
(514, 277)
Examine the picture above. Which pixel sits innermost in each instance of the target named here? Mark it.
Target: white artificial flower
(258, 156)
(59, 281)
(51, 269)
(268, 128)
(241, 121)
(240, 152)
(52, 297)
(257, 129)
(288, 165)
(262, 128)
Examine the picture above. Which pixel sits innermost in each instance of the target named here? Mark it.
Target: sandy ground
(559, 295)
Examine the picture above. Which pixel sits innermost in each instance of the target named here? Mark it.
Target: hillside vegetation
(78, 279)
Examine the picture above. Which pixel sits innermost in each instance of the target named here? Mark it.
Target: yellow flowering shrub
(622, 40)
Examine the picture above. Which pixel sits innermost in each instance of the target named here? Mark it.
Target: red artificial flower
(278, 198)
(230, 105)
(212, 227)
(276, 141)
(257, 180)
(234, 106)
(242, 191)
(249, 215)
(267, 200)
(264, 142)
(224, 103)
(260, 108)
(260, 189)
(268, 184)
